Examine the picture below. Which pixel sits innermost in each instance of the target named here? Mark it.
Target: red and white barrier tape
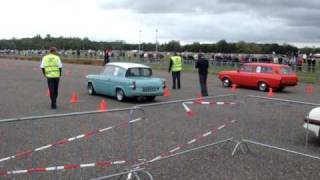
(179, 147)
(64, 167)
(66, 141)
(212, 103)
(190, 113)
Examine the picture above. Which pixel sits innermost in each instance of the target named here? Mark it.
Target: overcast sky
(280, 21)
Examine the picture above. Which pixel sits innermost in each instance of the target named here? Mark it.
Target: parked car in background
(261, 76)
(123, 80)
(312, 121)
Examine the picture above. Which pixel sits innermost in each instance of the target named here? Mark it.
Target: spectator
(203, 65)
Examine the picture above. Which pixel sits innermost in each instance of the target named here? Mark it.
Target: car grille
(150, 89)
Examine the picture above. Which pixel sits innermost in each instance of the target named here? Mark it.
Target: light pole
(156, 40)
(139, 44)
(156, 44)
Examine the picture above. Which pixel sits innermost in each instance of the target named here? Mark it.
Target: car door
(264, 74)
(117, 80)
(105, 80)
(245, 76)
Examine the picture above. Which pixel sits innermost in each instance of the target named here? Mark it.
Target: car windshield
(139, 72)
(285, 70)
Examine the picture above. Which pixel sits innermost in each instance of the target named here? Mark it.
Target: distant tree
(222, 46)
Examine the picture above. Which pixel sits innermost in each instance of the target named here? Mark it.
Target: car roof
(267, 64)
(127, 65)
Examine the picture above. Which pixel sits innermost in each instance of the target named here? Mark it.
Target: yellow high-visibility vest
(177, 63)
(51, 66)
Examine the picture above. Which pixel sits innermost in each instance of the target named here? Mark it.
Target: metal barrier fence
(183, 139)
(78, 145)
(278, 124)
(176, 130)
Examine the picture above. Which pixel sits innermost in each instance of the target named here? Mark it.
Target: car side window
(109, 70)
(258, 69)
(119, 72)
(247, 68)
(264, 69)
(133, 72)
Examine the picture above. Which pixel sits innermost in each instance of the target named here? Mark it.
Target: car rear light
(133, 85)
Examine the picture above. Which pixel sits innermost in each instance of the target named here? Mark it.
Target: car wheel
(226, 82)
(151, 98)
(281, 89)
(91, 89)
(120, 95)
(263, 86)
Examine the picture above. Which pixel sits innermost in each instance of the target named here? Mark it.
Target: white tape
(119, 162)
(192, 141)
(19, 171)
(135, 120)
(220, 103)
(105, 129)
(207, 134)
(80, 136)
(221, 127)
(43, 147)
(204, 102)
(72, 139)
(155, 159)
(60, 167)
(5, 159)
(87, 165)
(175, 149)
(51, 168)
(186, 107)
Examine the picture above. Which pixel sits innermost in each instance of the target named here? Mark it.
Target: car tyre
(281, 89)
(263, 86)
(226, 82)
(120, 95)
(91, 89)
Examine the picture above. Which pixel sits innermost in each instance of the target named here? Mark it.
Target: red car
(260, 75)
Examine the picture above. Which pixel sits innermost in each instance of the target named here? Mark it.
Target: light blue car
(124, 80)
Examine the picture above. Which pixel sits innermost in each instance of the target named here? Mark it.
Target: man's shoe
(53, 106)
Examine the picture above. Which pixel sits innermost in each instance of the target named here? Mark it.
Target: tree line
(222, 46)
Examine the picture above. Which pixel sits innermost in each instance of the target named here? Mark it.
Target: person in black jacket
(203, 65)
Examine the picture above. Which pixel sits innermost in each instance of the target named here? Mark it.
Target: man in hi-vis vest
(175, 67)
(52, 69)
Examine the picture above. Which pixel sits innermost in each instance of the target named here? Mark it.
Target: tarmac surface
(23, 92)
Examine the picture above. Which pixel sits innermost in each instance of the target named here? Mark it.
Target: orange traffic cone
(166, 92)
(74, 97)
(270, 93)
(48, 93)
(234, 88)
(309, 89)
(103, 105)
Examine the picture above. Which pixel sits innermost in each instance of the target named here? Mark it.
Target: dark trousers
(176, 78)
(106, 60)
(53, 84)
(203, 84)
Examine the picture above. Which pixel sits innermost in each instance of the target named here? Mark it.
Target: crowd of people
(296, 61)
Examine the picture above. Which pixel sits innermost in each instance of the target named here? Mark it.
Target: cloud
(234, 20)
